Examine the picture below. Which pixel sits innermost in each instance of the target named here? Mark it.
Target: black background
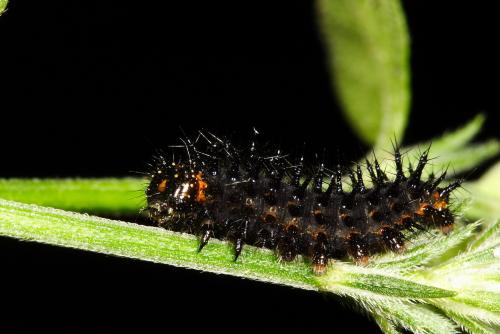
(92, 88)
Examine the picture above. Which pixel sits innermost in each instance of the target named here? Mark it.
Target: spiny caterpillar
(246, 197)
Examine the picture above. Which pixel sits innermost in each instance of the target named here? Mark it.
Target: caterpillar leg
(207, 231)
(239, 238)
(320, 254)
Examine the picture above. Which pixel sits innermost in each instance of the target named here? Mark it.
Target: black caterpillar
(246, 197)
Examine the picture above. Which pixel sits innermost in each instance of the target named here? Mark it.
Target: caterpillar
(217, 190)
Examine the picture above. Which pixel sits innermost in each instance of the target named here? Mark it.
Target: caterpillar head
(175, 190)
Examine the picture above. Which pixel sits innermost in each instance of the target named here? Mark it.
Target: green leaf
(3, 5)
(417, 318)
(470, 325)
(110, 196)
(352, 280)
(471, 312)
(470, 260)
(484, 195)
(387, 326)
(425, 249)
(487, 237)
(467, 157)
(475, 276)
(367, 46)
(458, 138)
(451, 151)
(485, 300)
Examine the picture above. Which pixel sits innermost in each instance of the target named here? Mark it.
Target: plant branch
(57, 227)
(110, 196)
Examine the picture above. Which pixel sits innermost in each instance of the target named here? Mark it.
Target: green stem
(57, 227)
(111, 196)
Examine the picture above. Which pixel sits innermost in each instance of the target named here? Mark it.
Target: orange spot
(403, 220)
(319, 230)
(436, 195)
(162, 186)
(446, 229)
(362, 261)
(421, 209)
(273, 210)
(271, 214)
(440, 205)
(292, 224)
(202, 186)
(319, 268)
